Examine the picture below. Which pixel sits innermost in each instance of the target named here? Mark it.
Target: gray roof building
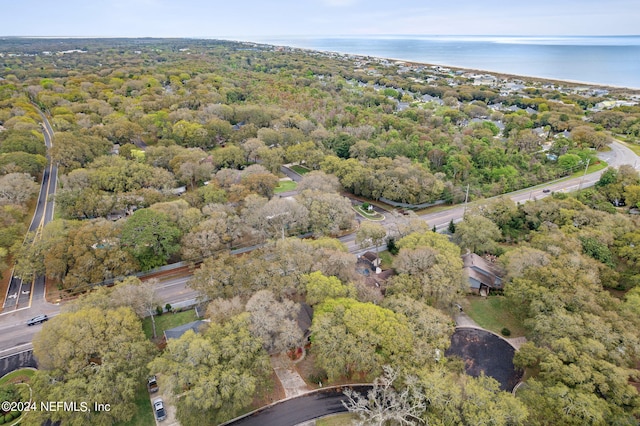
(175, 333)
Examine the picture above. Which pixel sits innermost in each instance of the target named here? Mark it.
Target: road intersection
(16, 337)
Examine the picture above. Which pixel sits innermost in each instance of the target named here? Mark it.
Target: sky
(254, 19)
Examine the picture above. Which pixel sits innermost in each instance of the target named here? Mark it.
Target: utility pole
(584, 174)
(466, 199)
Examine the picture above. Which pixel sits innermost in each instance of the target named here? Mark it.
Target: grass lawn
(167, 321)
(371, 215)
(144, 412)
(18, 376)
(492, 313)
(592, 168)
(337, 420)
(301, 170)
(285, 186)
(386, 260)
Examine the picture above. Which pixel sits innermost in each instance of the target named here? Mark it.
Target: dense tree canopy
(150, 237)
(93, 355)
(210, 378)
(352, 337)
(429, 269)
(136, 119)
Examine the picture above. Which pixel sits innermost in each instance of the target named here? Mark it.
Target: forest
(171, 150)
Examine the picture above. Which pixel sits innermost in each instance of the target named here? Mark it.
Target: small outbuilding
(177, 332)
(372, 258)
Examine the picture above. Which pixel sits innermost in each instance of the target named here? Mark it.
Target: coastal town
(240, 233)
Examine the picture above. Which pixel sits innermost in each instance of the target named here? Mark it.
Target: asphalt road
(21, 294)
(15, 336)
(294, 411)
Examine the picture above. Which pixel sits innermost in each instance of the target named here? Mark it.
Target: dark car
(152, 384)
(546, 190)
(158, 408)
(37, 320)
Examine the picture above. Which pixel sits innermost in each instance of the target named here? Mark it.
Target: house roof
(482, 270)
(370, 256)
(175, 333)
(305, 317)
(486, 279)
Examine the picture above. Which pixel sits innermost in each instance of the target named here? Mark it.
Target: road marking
(17, 353)
(15, 310)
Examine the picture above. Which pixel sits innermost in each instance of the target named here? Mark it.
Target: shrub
(392, 246)
(318, 378)
(506, 332)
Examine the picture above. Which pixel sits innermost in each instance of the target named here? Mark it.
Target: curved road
(293, 411)
(15, 336)
(618, 156)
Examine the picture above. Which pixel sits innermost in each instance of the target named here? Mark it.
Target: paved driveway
(485, 352)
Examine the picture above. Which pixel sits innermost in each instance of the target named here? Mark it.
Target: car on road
(159, 410)
(37, 320)
(152, 384)
(546, 190)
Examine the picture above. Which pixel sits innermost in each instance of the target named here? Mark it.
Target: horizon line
(323, 35)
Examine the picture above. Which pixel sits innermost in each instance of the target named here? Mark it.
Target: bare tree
(221, 310)
(319, 181)
(140, 295)
(17, 188)
(278, 217)
(384, 405)
(370, 234)
(274, 322)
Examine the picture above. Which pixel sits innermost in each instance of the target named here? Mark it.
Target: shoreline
(616, 88)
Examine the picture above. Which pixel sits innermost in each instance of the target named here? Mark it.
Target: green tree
(150, 237)
(431, 328)
(210, 378)
(478, 234)
(72, 150)
(106, 365)
(228, 157)
(351, 337)
(319, 288)
(22, 162)
(429, 269)
(191, 134)
(22, 141)
(569, 161)
(370, 234)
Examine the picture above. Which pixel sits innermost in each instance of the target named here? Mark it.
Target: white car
(159, 410)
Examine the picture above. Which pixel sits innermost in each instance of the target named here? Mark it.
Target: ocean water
(605, 60)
